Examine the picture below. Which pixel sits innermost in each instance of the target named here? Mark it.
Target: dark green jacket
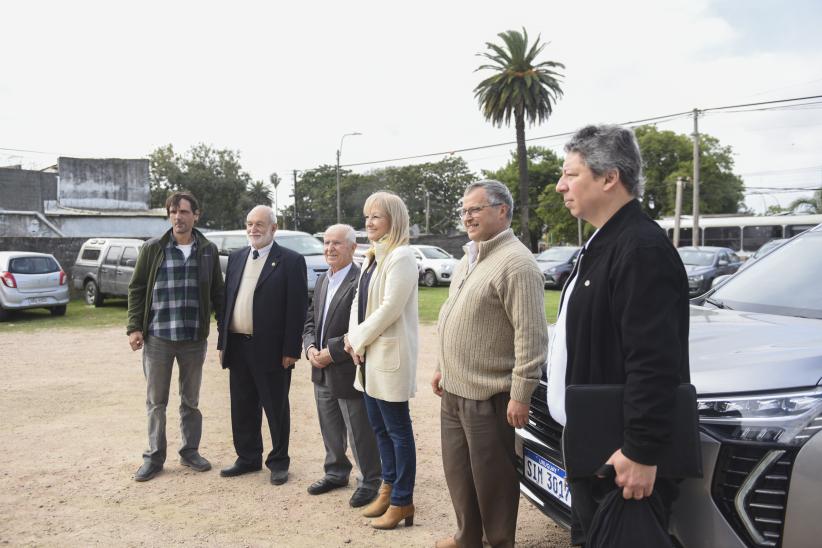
(141, 287)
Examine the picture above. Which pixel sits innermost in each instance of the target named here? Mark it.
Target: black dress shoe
(362, 496)
(147, 471)
(279, 477)
(238, 469)
(323, 486)
(196, 462)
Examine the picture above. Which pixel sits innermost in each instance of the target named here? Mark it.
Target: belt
(240, 336)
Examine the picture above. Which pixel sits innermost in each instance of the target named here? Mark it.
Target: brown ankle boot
(379, 504)
(393, 516)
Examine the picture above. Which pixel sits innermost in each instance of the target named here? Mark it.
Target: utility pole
(677, 210)
(275, 182)
(296, 201)
(339, 152)
(579, 232)
(427, 209)
(696, 179)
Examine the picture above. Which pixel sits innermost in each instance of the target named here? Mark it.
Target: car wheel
(58, 310)
(429, 278)
(93, 295)
(4, 314)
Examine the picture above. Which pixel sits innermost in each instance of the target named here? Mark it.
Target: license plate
(548, 476)
(38, 300)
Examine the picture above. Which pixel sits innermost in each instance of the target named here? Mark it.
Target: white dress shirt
(558, 348)
(334, 281)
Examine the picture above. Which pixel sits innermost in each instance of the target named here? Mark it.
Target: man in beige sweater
(493, 342)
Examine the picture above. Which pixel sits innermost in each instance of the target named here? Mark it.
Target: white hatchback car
(31, 280)
(436, 265)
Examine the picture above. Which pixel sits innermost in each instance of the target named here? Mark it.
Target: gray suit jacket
(338, 377)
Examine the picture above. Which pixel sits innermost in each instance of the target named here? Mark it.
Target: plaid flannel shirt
(175, 301)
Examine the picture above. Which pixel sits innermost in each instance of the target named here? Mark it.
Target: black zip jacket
(627, 323)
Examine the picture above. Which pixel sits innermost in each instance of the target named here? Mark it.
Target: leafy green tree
(214, 176)
(164, 172)
(523, 89)
(436, 187)
(544, 169)
(259, 193)
(443, 181)
(668, 156)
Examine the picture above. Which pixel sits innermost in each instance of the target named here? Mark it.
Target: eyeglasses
(474, 210)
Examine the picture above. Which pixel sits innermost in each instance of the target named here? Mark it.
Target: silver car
(31, 280)
(436, 265)
(301, 242)
(756, 362)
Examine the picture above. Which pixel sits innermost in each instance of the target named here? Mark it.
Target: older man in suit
(265, 300)
(340, 406)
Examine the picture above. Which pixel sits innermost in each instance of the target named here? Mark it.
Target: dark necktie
(255, 254)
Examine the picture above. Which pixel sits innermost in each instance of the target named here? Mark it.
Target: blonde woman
(382, 341)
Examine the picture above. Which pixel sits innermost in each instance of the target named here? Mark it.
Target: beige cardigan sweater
(493, 336)
(388, 335)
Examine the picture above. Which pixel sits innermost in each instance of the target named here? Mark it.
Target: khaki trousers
(480, 469)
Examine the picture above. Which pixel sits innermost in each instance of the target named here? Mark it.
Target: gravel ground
(73, 430)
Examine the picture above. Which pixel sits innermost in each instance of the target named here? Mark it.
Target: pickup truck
(104, 267)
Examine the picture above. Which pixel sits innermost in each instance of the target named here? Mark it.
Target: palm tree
(259, 193)
(807, 205)
(522, 88)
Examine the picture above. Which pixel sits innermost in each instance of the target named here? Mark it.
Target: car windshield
(33, 265)
(301, 243)
(697, 258)
(783, 282)
(434, 253)
(767, 248)
(557, 254)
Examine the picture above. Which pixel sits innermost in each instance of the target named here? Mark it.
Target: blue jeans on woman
(391, 422)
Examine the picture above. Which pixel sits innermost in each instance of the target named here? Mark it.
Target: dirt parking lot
(73, 430)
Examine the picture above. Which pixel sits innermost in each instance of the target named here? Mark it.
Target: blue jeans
(391, 422)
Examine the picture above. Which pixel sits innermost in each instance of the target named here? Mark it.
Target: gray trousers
(158, 360)
(480, 469)
(343, 419)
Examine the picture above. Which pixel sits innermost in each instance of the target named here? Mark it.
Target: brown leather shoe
(393, 516)
(446, 543)
(380, 504)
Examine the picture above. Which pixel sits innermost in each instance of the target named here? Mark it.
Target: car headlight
(784, 418)
(552, 270)
(696, 278)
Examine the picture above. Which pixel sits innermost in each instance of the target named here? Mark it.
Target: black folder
(594, 430)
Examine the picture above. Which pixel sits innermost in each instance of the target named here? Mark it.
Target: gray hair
(271, 215)
(350, 235)
(607, 147)
(497, 193)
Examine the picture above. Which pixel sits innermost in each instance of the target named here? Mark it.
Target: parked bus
(743, 234)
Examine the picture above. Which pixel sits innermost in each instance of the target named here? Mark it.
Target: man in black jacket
(260, 333)
(623, 315)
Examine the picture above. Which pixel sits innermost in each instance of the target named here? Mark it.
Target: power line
(25, 150)
(780, 171)
(632, 123)
(772, 102)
